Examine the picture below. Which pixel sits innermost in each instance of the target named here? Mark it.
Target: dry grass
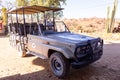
(88, 25)
(105, 36)
(95, 27)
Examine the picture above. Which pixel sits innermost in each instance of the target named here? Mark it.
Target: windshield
(61, 27)
(51, 28)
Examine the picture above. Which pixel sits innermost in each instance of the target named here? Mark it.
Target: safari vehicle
(51, 39)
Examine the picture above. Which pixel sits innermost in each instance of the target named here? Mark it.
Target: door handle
(46, 42)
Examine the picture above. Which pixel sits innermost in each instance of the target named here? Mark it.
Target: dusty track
(13, 67)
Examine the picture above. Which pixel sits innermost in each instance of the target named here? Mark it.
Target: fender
(65, 51)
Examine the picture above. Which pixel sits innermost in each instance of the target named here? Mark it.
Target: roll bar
(32, 10)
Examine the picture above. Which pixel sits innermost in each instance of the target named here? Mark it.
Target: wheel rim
(57, 66)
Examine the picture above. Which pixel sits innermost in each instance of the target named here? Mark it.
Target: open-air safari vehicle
(51, 39)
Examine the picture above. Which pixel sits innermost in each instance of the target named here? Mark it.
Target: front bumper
(86, 61)
(93, 54)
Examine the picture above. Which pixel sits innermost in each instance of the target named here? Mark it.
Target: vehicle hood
(70, 38)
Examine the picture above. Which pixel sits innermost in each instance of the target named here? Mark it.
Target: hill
(88, 25)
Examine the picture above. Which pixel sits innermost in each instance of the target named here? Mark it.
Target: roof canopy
(33, 9)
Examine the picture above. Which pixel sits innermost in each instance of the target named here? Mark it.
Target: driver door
(35, 40)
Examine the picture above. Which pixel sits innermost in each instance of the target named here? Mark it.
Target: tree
(22, 3)
(4, 16)
(33, 2)
(54, 3)
(49, 3)
(9, 5)
(5, 9)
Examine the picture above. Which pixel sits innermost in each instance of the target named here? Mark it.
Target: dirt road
(13, 67)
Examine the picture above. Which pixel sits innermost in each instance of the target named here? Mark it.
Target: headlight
(99, 45)
(80, 52)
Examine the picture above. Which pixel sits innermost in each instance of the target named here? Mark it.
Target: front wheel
(59, 64)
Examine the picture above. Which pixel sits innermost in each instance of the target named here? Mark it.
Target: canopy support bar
(11, 20)
(37, 18)
(17, 21)
(24, 22)
(53, 20)
(45, 19)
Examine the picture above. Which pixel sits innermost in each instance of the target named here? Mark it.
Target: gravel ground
(13, 67)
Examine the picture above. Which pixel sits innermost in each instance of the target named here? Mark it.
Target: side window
(34, 29)
(42, 27)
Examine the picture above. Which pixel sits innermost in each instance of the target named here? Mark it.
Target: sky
(87, 8)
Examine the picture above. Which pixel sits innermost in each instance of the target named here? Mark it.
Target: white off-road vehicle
(51, 39)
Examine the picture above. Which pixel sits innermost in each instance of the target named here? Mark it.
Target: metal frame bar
(17, 22)
(53, 20)
(31, 24)
(31, 18)
(11, 20)
(37, 18)
(40, 32)
(11, 24)
(45, 19)
(24, 23)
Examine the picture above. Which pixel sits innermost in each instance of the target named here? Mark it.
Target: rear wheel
(21, 50)
(59, 64)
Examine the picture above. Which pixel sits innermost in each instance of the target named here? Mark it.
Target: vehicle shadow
(100, 70)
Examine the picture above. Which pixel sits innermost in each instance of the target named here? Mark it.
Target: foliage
(55, 3)
(5, 8)
(105, 36)
(117, 29)
(49, 3)
(89, 25)
(22, 3)
(4, 16)
(9, 5)
(33, 2)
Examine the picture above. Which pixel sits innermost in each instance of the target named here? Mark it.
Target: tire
(59, 65)
(21, 50)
